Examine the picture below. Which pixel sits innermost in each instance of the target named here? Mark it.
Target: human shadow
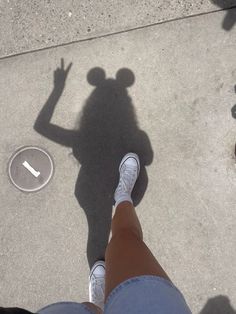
(218, 305)
(230, 17)
(107, 130)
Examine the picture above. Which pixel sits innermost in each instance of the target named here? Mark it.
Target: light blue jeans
(138, 295)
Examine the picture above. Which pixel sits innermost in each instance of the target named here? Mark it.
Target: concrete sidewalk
(31, 25)
(183, 93)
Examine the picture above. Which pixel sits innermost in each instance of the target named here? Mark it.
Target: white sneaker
(97, 284)
(129, 171)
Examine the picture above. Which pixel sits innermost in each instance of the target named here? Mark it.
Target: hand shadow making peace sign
(108, 129)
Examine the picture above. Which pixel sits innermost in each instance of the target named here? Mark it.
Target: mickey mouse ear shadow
(96, 76)
(125, 77)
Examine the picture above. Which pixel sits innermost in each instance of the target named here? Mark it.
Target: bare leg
(127, 255)
(95, 309)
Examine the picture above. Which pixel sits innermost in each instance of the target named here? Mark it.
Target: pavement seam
(116, 33)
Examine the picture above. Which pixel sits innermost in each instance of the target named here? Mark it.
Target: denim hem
(135, 280)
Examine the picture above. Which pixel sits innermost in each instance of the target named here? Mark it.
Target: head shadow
(218, 305)
(106, 129)
(230, 17)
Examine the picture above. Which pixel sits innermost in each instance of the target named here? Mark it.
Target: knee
(127, 234)
(124, 239)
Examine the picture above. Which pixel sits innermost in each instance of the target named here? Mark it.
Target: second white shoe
(129, 172)
(97, 284)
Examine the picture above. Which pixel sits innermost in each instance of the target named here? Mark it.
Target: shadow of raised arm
(42, 124)
(230, 17)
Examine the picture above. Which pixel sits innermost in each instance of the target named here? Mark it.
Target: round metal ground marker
(30, 168)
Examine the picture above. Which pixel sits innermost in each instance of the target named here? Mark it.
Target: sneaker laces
(99, 283)
(127, 176)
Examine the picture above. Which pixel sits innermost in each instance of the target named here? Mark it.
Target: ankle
(124, 204)
(123, 199)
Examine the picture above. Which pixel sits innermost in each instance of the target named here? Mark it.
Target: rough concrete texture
(185, 74)
(30, 25)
